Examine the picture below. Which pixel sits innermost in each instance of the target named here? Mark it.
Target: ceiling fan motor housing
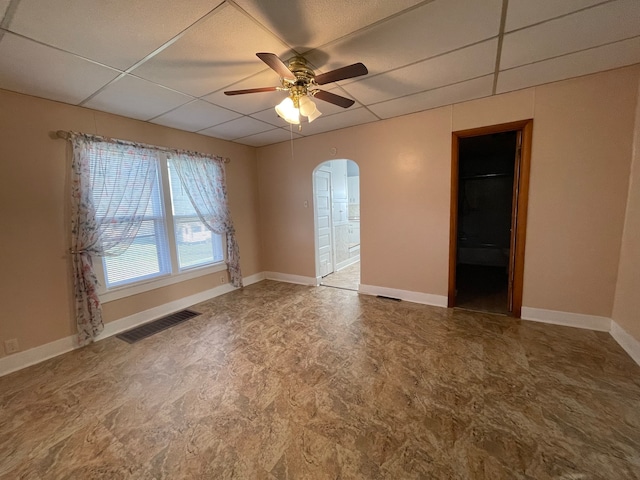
(304, 79)
(304, 75)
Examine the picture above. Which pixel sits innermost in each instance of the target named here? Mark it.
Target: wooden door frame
(526, 127)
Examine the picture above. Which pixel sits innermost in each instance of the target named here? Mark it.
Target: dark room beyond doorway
(485, 208)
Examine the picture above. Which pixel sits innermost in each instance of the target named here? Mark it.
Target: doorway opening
(336, 191)
(490, 172)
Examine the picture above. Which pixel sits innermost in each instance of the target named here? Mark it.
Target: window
(171, 241)
(147, 256)
(195, 243)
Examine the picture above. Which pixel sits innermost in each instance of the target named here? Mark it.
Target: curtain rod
(68, 135)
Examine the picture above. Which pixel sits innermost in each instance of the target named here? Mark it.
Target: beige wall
(582, 140)
(581, 160)
(626, 310)
(401, 170)
(35, 285)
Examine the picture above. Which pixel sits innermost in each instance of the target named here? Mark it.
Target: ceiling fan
(301, 82)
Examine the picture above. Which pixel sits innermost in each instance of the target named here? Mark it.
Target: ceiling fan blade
(251, 90)
(276, 64)
(343, 73)
(333, 98)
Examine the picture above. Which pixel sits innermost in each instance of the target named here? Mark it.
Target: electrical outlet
(11, 346)
(222, 279)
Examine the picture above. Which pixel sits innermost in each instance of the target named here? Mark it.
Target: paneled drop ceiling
(169, 61)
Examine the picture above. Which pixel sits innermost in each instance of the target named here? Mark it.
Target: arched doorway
(336, 199)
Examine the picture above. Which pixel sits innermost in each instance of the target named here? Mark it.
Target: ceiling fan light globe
(315, 114)
(307, 106)
(288, 112)
(294, 118)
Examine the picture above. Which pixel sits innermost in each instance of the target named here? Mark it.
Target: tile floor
(482, 288)
(281, 381)
(348, 277)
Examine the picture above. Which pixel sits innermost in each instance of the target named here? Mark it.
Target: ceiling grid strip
(503, 21)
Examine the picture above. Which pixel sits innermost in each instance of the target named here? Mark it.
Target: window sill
(164, 281)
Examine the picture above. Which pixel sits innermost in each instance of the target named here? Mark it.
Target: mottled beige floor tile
(41, 422)
(24, 471)
(308, 456)
(282, 381)
(348, 278)
(90, 453)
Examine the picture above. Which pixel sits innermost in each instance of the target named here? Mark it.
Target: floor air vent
(143, 331)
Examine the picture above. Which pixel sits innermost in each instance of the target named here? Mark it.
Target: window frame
(172, 220)
(175, 273)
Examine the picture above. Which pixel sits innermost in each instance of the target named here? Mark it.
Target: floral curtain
(203, 180)
(111, 187)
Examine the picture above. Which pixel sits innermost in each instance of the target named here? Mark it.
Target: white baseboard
(568, 319)
(289, 278)
(123, 324)
(347, 262)
(20, 360)
(626, 341)
(409, 296)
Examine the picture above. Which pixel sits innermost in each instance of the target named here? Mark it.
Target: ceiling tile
(34, 69)
(117, 33)
(594, 60)
(252, 102)
(522, 13)
(463, 64)
(136, 98)
(432, 29)
(238, 128)
(310, 23)
(421, 54)
(195, 116)
(269, 115)
(593, 27)
(347, 118)
(276, 135)
(460, 92)
(3, 7)
(213, 54)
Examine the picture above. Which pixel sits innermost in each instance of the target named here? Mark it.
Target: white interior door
(324, 240)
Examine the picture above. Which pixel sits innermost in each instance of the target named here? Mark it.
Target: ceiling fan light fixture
(287, 110)
(307, 106)
(313, 115)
